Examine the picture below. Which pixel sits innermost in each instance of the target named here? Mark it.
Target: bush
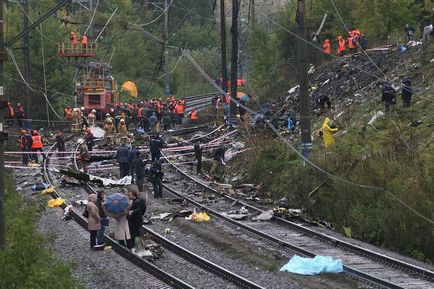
(26, 261)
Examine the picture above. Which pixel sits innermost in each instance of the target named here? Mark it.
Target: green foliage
(27, 261)
(373, 215)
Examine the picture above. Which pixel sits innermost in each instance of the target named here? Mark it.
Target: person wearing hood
(328, 132)
(93, 223)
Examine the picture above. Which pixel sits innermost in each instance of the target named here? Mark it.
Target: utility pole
(26, 57)
(224, 84)
(234, 59)
(166, 51)
(3, 135)
(305, 114)
(90, 33)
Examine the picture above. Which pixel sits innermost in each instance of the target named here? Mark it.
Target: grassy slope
(395, 154)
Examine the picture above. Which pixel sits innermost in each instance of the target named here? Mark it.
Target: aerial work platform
(78, 50)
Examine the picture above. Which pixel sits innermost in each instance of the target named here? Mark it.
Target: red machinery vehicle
(96, 88)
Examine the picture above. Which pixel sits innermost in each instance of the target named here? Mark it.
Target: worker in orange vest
(67, 112)
(37, 145)
(84, 42)
(194, 115)
(341, 46)
(327, 49)
(352, 43)
(74, 39)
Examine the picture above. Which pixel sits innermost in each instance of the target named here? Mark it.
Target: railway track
(200, 262)
(156, 278)
(375, 268)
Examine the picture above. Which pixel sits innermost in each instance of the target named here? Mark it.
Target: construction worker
(84, 42)
(20, 115)
(123, 131)
(327, 133)
(74, 39)
(342, 49)
(84, 156)
(108, 117)
(24, 146)
(90, 139)
(75, 124)
(194, 115)
(91, 117)
(60, 142)
(67, 112)
(327, 49)
(37, 145)
(109, 132)
(352, 43)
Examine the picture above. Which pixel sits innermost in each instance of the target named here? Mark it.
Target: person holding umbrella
(93, 223)
(116, 206)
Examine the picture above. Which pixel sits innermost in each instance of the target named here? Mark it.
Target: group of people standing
(128, 225)
(350, 43)
(31, 146)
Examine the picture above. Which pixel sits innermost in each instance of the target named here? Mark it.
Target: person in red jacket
(327, 49)
(352, 43)
(342, 49)
(37, 146)
(194, 115)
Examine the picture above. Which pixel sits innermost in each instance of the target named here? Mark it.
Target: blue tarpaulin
(312, 266)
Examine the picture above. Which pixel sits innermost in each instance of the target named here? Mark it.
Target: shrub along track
(363, 264)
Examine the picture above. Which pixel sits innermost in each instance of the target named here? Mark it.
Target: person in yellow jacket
(328, 132)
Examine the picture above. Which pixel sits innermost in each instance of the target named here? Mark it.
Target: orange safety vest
(227, 99)
(74, 40)
(139, 112)
(350, 43)
(179, 109)
(341, 43)
(84, 40)
(159, 107)
(37, 142)
(68, 113)
(194, 115)
(327, 47)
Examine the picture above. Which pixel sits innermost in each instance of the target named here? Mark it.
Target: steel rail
(425, 273)
(251, 230)
(119, 249)
(202, 262)
(190, 256)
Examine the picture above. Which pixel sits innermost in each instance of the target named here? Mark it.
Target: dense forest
(132, 42)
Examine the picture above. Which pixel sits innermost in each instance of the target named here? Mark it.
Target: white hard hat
(80, 141)
(82, 108)
(93, 110)
(107, 114)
